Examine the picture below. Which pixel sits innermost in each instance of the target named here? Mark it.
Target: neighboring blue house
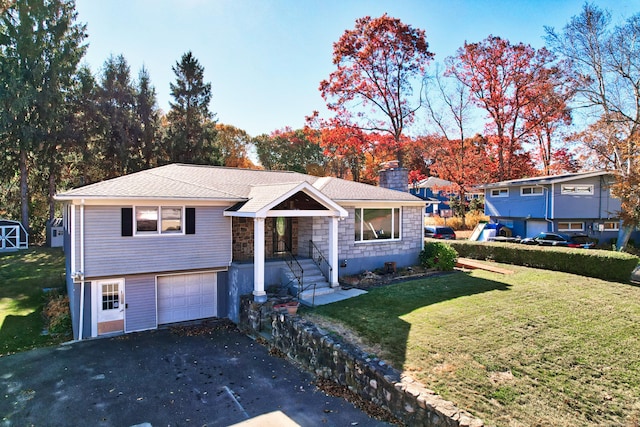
(183, 242)
(437, 192)
(575, 203)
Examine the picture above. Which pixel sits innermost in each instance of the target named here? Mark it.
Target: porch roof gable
(263, 198)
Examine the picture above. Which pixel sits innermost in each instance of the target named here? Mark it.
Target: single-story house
(573, 203)
(183, 242)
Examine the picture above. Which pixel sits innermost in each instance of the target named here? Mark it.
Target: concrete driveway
(186, 377)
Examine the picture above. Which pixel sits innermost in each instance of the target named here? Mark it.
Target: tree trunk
(52, 190)
(623, 236)
(24, 191)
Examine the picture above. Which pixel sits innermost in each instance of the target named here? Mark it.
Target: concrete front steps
(316, 290)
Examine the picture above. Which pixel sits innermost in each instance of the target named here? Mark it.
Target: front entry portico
(301, 201)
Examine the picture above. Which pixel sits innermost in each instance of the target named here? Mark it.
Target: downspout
(82, 282)
(422, 228)
(546, 204)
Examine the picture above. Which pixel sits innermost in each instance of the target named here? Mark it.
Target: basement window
(571, 226)
(611, 225)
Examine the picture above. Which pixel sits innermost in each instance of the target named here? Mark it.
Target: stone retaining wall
(328, 357)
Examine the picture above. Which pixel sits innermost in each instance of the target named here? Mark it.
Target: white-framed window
(531, 191)
(110, 296)
(499, 192)
(571, 226)
(151, 220)
(576, 189)
(377, 224)
(611, 225)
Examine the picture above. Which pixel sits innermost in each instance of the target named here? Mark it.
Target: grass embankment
(531, 348)
(23, 276)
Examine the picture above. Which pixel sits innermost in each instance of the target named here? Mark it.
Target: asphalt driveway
(193, 376)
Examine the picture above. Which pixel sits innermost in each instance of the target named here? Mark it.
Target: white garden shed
(13, 236)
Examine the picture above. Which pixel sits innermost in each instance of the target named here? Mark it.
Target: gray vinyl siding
(140, 300)
(107, 253)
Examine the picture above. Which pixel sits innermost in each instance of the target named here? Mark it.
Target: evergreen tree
(40, 48)
(149, 118)
(191, 128)
(120, 151)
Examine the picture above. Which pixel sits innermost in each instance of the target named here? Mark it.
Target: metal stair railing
(295, 268)
(321, 261)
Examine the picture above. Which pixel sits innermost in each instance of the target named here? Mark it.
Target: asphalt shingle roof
(180, 181)
(549, 179)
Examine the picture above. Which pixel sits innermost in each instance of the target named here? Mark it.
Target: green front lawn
(532, 348)
(23, 276)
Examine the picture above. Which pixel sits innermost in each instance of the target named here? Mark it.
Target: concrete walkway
(337, 295)
(194, 376)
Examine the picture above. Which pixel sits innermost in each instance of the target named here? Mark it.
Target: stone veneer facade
(359, 256)
(242, 237)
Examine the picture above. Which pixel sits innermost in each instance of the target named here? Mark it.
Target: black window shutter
(127, 221)
(190, 221)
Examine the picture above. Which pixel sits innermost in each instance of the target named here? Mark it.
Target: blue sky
(265, 59)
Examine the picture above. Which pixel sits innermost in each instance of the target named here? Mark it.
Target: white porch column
(259, 295)
(333, 251)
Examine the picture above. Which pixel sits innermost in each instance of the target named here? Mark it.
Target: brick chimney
(393, 177)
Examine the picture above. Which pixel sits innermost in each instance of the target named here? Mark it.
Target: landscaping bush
(439, 256)
(56, 313)
(471, 220)
(607, 265)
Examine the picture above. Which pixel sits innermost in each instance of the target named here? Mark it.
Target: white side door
(109, 305)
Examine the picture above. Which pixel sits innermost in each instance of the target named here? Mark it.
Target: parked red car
(439, 232)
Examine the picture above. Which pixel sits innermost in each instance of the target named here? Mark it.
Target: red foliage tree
(344, 147)
(372, 86)
(463, 162)
(511, 82)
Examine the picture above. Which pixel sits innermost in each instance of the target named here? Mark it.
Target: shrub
(607, 265)
(471, 219)
(56, 313)
(439, 256)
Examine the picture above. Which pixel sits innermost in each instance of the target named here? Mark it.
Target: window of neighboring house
(611, 225)
(500, 192)
(158, 220)
(571, 226)
(576, 189)
(377, 224)
(531, 191)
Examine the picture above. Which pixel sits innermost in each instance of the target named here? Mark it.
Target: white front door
(108, 296)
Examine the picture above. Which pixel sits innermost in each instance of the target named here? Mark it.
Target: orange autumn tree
(234, 145)
(377, 63)
(344, 147)
(507, 81)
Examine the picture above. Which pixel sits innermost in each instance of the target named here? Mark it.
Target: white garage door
(186, 297)
(536, 227)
